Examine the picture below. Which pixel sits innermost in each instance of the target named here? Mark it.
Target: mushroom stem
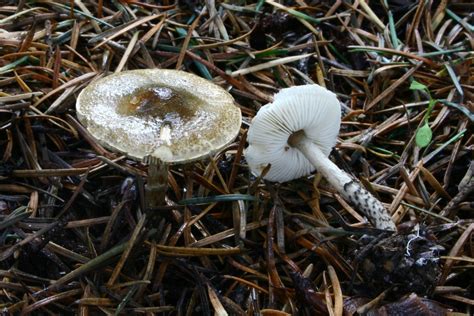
(155, 188)
(349, 188)
(157, 183)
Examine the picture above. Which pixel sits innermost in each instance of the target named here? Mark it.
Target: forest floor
(73, 235)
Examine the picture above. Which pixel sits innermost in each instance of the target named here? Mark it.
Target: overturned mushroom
(162, 116)
(295, 135)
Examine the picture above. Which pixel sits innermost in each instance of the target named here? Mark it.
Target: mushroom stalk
(349, 188)
(157, 184)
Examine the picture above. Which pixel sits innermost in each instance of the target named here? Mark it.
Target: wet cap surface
(169, 114)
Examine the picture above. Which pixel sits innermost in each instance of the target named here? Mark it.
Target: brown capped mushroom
(169, 114)
(162, 115)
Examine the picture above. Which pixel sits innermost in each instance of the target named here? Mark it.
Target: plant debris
(402, 263)
(74, 237)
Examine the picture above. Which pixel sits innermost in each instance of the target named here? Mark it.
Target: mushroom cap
(168, 114)
(309, 108)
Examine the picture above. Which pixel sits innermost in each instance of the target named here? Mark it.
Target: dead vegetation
(72, 231)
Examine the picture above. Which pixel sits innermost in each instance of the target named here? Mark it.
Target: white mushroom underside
(310, 115)
(277, 121)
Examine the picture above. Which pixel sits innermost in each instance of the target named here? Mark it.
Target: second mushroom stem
(155, 189)
(349, 188)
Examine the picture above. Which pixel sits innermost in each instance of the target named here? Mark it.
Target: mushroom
(295, 134)
(160, 116)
